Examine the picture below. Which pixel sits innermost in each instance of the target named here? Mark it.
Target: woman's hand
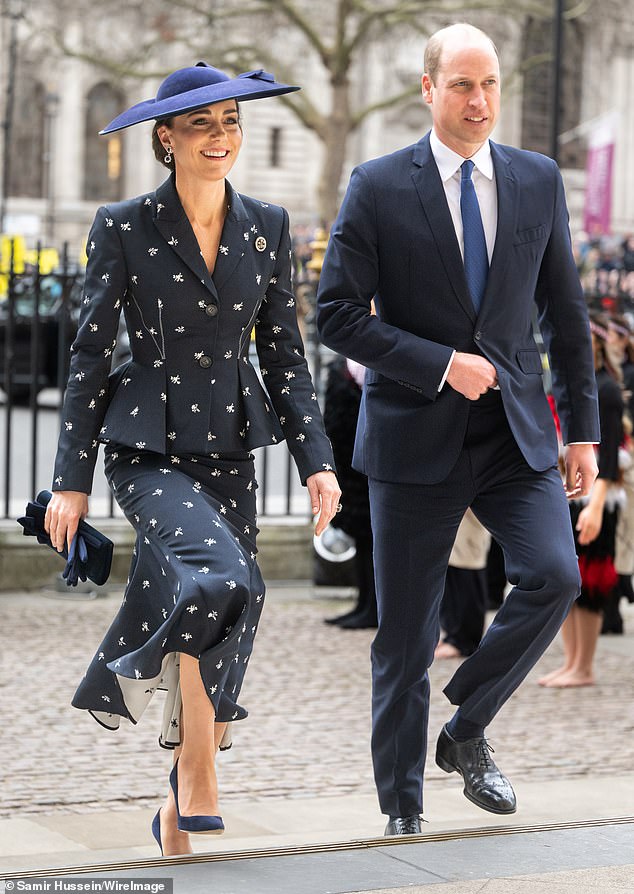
(325, 494)
(63, 514)
(591, 516)
(588, 525)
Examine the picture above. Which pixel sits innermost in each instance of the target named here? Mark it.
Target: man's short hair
(433, 50)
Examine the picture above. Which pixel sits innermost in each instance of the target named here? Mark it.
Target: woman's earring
(168, 155)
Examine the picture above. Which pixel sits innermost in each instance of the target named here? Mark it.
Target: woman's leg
(581, 673)
(197, 783)
(173, 841)
(569, 640)
(219, 731)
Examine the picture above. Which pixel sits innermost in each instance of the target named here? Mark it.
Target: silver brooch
(260, 243)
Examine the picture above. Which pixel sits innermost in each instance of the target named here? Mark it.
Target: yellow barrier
(48, 259)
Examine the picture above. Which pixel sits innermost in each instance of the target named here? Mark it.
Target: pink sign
(599, 164)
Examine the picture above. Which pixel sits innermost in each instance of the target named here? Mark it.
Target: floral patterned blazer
(189, 386)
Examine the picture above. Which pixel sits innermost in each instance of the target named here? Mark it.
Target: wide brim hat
(197, 86)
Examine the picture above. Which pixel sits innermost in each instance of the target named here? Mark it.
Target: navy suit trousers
(414, 530)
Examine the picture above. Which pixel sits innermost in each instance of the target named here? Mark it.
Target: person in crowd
(341, 411)
(627, 248)
(496, 576)
(620, 353)
(456, 238)
(594, 520)
(606, 268)
(194, 266)
(464, 601)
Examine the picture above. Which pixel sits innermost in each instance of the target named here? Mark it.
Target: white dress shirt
(449, 164)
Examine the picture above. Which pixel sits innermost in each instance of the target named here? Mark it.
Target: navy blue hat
(192, 88)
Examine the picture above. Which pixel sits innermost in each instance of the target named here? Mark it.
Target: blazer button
(211, 310)
(478, 335)
(205, 361)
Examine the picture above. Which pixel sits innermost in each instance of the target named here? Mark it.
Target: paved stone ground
(308, 693)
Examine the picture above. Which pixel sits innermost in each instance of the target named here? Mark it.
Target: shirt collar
(448, 161)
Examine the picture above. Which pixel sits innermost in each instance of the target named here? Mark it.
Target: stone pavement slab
(106, 837)
(300, 768)
(493, 863)
(601, 880)
(308, 733)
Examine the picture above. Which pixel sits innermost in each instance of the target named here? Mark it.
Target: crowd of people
(606, 268)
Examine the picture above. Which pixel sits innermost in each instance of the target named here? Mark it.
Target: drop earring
(168, 155)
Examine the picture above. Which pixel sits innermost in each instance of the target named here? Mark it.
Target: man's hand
(581, 469)
(471, 375)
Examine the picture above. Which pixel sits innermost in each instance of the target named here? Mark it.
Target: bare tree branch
(234, 37)
(393, 100)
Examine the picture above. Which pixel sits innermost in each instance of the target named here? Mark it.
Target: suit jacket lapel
(434, 201)
(174, 226)
(236, 237)
(507, 187)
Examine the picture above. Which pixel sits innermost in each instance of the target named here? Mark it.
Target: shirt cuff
(444, 378)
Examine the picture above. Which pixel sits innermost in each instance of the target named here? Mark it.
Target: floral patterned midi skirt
(194, 587)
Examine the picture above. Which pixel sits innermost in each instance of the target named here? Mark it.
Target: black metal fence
(39, 312)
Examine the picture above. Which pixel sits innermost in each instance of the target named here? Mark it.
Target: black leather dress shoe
(403, 825)
(339, 618)
(359, 621)
(484, 785)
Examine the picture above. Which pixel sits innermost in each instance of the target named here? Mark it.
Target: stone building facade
(60, 170)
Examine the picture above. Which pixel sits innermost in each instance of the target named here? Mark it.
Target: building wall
(607, 48)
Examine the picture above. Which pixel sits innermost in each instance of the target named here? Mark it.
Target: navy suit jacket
(394, 241)
(189, 387)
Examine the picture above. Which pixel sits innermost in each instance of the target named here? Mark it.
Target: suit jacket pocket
(533, 234)
(530, 361)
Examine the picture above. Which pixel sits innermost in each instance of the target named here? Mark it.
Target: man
(454, 413)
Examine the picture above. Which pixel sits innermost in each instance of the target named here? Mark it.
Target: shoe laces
(484, 758)
(410, 825)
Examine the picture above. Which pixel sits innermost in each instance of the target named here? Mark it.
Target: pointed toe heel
(201, 825)
(156, 829)
(194, 825)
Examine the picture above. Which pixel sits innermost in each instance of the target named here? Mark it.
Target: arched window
(29, 137)
(103, 161)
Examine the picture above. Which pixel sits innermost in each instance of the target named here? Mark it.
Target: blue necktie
(476, 259)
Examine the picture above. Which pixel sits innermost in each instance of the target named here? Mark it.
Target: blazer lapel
(235, 240)
(507, 187)
(432, 197)
(174, 226)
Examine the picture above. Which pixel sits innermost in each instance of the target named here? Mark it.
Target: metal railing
(39, 312)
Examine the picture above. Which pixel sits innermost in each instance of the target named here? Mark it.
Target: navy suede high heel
(156, 829)
(196, 825)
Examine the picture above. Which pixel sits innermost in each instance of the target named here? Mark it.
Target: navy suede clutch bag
(90, 554)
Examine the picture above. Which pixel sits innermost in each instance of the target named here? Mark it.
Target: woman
(194, 266)
(621, 355)
(341, 412)
(594, 522)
